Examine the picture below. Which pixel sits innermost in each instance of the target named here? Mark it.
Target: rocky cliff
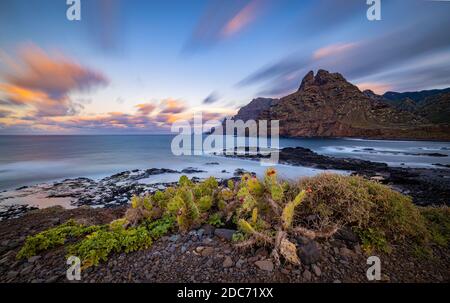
(327, 105)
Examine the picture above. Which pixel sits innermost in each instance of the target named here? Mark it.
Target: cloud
(43, 82)
(212, 98)
(378, 88)
(383, 52)
(54, 75)
(242, 19)
(333, 49)
(172, 106)
(223, 20)
(146, 108)
(5, 113)
(105, 23)
(326, 15)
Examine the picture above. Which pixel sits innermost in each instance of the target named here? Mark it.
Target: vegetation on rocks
(265, 212)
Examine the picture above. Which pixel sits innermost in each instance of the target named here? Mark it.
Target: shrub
(438, 222)
(267, 212)
(53, 237)
(216, 220)
(379, 214)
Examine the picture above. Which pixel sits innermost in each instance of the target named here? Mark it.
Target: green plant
(379, 214)
(267, 212)
(53, 237)
(438, 223)
(373, 239)
(216, 220)
(273, 224)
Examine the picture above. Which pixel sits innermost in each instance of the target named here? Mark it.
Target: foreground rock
(176, 258)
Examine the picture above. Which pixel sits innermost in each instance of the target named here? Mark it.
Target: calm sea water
(26, 160)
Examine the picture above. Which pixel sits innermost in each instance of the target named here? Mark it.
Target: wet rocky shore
(110, 192)
(427, 186)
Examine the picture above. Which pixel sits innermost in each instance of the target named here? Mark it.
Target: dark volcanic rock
(426, 186)
(226, 234)
(327, 105)
(309, 253)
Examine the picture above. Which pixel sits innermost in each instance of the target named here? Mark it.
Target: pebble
(33, 259)
(11, 274)
(310, 253)
(239, 263)
(228, 262)
(307, 275)
(207, 251)
(174, 238)
(266, 265)
(226, 234)
(316, 270)
(345, 252)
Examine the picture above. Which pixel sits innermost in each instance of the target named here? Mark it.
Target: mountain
(415, 96)
(436, 108)
(327, 105)
(433, 105)
(255, 108)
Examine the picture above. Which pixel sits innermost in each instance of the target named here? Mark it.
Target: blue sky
(174, 58)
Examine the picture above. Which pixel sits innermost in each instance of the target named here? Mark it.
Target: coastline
(426, 186)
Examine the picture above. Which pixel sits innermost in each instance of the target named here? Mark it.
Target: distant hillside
(433, 105)
(327, 105)
(435, 108)
(415, 96)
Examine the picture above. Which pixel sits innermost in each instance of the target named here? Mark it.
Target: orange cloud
(334, 49)
(172, 106)
(56, 75)
(44, 82)
(146, 108)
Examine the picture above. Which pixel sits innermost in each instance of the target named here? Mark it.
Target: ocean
(28, 160)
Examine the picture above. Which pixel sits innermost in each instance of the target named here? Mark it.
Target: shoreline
(427, 186)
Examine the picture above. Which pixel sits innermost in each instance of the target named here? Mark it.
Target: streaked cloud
(242, 18)
(414, 40)
(53, 74)
(224, 19)
(212, 98)
(333, 50)
(42, 82)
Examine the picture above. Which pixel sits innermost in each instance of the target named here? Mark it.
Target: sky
(132, 66)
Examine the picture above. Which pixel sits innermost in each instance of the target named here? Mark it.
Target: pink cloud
(378, 88)
(242, 19)
(334, 49)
